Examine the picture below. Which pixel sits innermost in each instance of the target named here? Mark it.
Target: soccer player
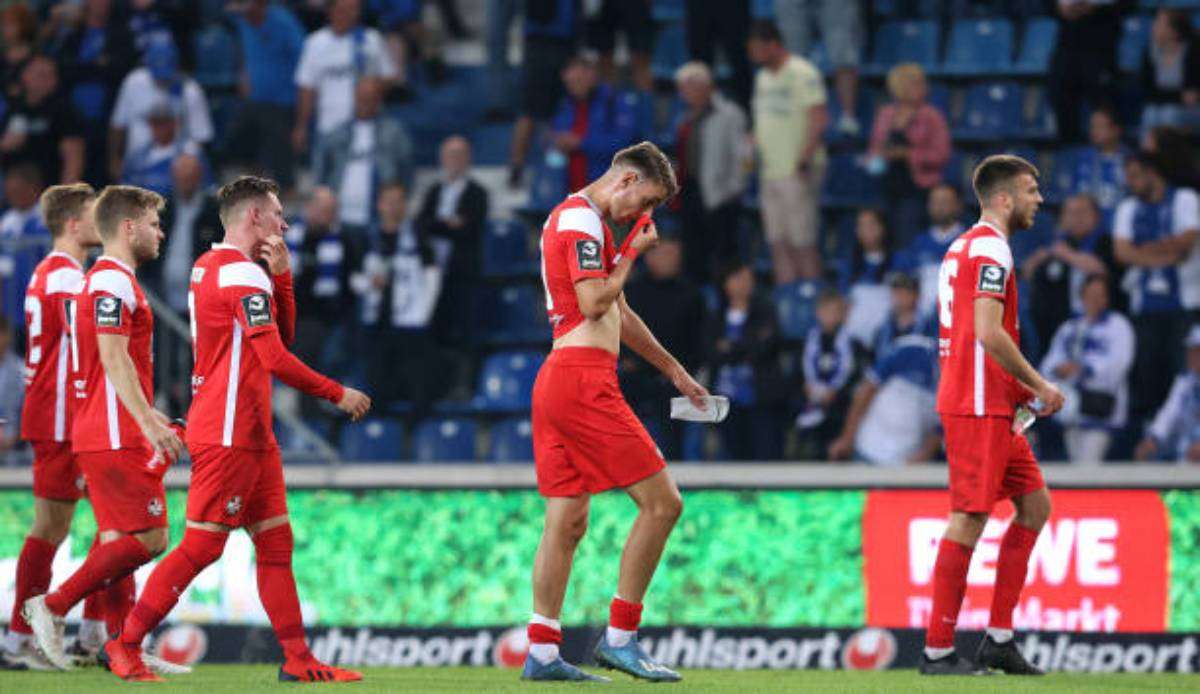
(984, 378)
(238, 315)
(122, 444)
(586, 438)
(46, 415)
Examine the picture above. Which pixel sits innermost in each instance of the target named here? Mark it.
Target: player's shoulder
(113, 277)
(233, 270)
(985, 241)
(576, 214)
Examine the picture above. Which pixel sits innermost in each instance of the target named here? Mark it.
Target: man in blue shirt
(592, 122)
(1099, 169)
(923, 257)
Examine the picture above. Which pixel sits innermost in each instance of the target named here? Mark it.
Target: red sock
(109, 561)
(33, 577)
(277, 589)
(624, 615)
(1011, 569)
(118, 600)
(543, 633)
(92, 606)
(170, 578)
(949, 585)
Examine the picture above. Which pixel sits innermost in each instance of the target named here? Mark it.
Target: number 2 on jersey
(946, 275)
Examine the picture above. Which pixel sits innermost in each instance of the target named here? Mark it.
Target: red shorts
(56, 475)
(586, 439)
(235, 486)
(988, 462)
(126, 489)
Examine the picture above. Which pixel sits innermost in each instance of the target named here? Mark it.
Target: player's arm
(843, 447)
(636, 336)
(999, 345)
(1158, 254)
(285, 366)
(596, 295)
(120, 370)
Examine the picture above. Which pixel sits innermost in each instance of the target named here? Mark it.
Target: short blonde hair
(696, 70)
(61, 203)
(118, 203)
(650, 162)
(903, 75)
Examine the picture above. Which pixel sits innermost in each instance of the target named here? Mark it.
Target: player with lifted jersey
(241, 317)
(586, 439)
(984, 378)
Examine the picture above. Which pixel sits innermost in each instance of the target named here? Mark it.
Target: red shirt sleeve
(289, 369)
(254, 308)
(285, 300)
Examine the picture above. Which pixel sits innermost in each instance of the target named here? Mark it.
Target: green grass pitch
(228, 679)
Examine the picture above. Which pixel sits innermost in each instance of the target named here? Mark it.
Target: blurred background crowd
(823, 146)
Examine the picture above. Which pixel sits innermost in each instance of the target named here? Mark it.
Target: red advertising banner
(1100, 564)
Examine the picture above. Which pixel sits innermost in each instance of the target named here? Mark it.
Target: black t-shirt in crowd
(44, 126)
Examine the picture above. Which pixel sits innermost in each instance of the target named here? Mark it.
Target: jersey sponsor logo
(258, 309)
(155, 507)
(991, 278)
(588, 252)
(108, 312)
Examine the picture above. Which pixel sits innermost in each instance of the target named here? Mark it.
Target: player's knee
(50, 531)
(274, 546)
(202, 547)
(155, 541)
(668, 508)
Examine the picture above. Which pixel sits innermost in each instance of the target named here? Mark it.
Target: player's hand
(354, 403)
(646, 237)
(162, 437)
(1052, 399)
(688, 387)
(275, 254)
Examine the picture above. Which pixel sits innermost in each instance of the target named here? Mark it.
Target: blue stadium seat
(762, 9)
(668, 10)
(490, 144)
(549, 185)
(380, 440)
(515, 314)
(939, 96)
(955, 173)
(796, 304)
(979, 47)
(506, 381)
(216, 57)
(1060, 175)
(1135, 37)
(512, 441)
(847, 184)
(911, 41)
(991, 111)
(505, 249)
(444, 441)
(670, 50)
(1037, 46)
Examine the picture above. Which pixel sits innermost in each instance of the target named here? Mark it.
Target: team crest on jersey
(588, 252)
(233, 506)
(108, 312)
(155, 507)
(197, 275)
(991, 278)
(258, 309)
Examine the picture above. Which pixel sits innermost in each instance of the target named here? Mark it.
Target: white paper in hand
(716, 408)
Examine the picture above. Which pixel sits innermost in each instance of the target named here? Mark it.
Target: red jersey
(112, 303)
(231, 300)
(576, 245)
(978, 264)
(49, 299)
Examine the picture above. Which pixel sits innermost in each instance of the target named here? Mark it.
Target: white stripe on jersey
(581, 219)
(66, 280)
(116, 283)
(60, 391)
(243, 274)
(231, 392)
(992, 247)
(979, 379)
(114, 425)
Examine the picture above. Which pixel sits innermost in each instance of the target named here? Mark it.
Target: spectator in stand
(789, 120)
(672, 307)
(18, 28)
(1175, 432)
(550, 30)
(455, 209)
(12, 390)
(145, 89)
(399, 22)
(271, 39)
(41, 127)
(604, 19)
(94, 52)
(710, 24)
(592, 123)
(710, 150)
(191, 224)
(1099, 169)
(399, 284)
(1089, 358)
(356, 156)
(152, 21)
(923, 257)
(1155, 232)
(1084, 66)
(1176, 154)
(861, 277)
(1171, 73)
(1081, 247)
(333, 62)
(744, 357)
(151, 166)
(828, 364)
(910, 145)
(841, 32)
(904, 318)
(24, 238)
(500, 16)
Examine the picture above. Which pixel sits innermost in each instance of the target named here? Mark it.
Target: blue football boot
(633, 661)
(557, 670)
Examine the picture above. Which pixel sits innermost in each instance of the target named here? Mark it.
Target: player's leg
(563, 527)
(51, 523)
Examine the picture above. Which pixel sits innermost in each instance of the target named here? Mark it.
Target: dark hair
(1174, 151)
(60, 203)
(996, 172)
(24, 18)
(1091, 201)
(765, 30)
(242, 189)
(731, 268)
(117, 203)
(858, 256)
(948, 186)
(1108, 112)
(1179, 22)
(26, 171)
(829, 294)
(649, 161)
(1151, 161)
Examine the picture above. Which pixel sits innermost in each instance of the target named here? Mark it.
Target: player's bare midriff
(604, 333)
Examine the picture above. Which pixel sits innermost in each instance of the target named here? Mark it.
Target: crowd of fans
(175, 96)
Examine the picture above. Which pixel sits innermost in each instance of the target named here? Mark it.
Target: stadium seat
(1135, 37)
(1037, 114)
(991, 111)
(506, 251)
(549, 182)
(796, 304)
(1037, 46)
(979, 47)
(512, 441)
(444, 441)
(847, 184)
(914, 41)
(668, 10)
(762, 9)
(376, 440)
(670, 50)
(1061, 174)
(954, 172)
(515, 314)
(506, 381)
(490, 144)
